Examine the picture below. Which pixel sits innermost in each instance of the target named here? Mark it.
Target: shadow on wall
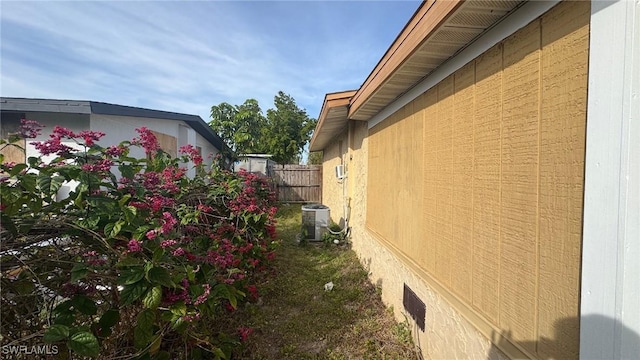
(564, 345)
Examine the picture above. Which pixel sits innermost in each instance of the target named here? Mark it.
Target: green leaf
(191, 275)
(49, 185)
(78, 272)
(127, 171)
(109, 319)
(219, 353)
(84, 304)
(130, 275)
(65, 318)
(140, 232)
(55, 333)
(129, 213)
(161, 276)
(152, 298)
(8, 224)
(17, 169)
(158, 254)
(116, 228)
(177, 322)
(129, 262)
(28, 182)
(155, 344)
(233, 301)
(143, 332)
(84, 343)
(133, 292)
(179, 309)
(108, 229)
(123, 200)
(162, 355)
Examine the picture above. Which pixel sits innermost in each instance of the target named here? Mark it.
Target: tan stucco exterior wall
(447, 334)
(332, 188)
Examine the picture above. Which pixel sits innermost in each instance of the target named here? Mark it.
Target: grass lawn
(295, 318)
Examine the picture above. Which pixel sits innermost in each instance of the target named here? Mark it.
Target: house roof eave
(332, 120)
(96, 107)
(437, 31)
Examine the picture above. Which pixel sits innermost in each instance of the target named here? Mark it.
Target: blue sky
(186, 56)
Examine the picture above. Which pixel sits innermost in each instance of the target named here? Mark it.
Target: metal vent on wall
(414, 306)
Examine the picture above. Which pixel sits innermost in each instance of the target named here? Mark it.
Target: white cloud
(187, 56)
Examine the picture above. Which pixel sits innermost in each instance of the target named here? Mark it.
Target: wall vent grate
(414, 306)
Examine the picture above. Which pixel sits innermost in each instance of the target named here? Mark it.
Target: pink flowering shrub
(139, 258)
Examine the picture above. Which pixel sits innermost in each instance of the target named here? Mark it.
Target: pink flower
(92, 258)
(30, 129)
(147, 140)
(168, 222)
(167, 243)
(202, 298)
(192, 153)
(205, 208)
(253, 290)
(103, 165)
(134, 246)
(115, 150)
(151, 234)
(90, 137)
(60, 132)
(244, 333)
(178, 252)
(191, 318)
(9, 165)
(52, 146)
(157, 202)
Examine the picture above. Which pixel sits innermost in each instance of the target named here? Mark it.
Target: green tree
(288, 129)
(283, 133)
(239, 126)
(315, 158)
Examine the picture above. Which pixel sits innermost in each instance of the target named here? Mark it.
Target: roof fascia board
(509, 25)
(428, 18)
(45, 105)
(122, 110)
(331, 100)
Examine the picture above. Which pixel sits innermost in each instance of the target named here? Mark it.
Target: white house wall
(119, 128)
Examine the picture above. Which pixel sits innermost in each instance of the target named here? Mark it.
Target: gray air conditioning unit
(315, 220)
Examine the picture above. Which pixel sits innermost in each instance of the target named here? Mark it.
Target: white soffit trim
(514, 22)
(610, 295)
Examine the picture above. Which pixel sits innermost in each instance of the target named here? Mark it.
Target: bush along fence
(134, 265)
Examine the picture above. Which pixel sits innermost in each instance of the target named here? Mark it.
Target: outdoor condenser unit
(315, 220)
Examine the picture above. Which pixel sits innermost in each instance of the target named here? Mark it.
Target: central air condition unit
(315, 220)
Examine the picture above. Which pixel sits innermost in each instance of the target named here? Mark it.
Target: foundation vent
(414, 306)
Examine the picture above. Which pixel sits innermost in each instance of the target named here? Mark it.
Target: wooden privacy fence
(298, 183)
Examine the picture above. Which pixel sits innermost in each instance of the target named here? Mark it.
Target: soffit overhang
(438, 30)
(332, 120)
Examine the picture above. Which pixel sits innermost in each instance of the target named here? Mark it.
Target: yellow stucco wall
(472, 196)
(332, 188)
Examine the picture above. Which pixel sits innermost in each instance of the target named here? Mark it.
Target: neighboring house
(260, 164)
(492, 177)
(118, 122)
